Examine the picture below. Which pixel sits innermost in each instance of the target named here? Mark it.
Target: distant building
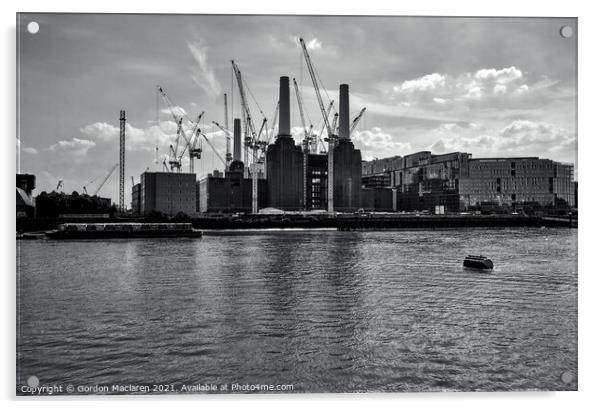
(511, 181)
(169, 193)
(232, 193)
(422, 181)
(382, 166)
(25, 204)
(136, 189)
(378, 180)
(377, 199)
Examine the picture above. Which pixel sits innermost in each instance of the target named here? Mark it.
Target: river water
(324, 311)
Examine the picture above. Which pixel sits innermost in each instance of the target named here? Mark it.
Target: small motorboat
(478, 262)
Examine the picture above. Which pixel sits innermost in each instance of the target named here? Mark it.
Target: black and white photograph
(295, 204)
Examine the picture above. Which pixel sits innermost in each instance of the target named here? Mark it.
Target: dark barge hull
(481, 263)
(122, 234)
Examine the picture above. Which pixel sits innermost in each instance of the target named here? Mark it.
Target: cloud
(518, 138)
(100, 130)
(483, 84)
(29, 150)
(429, 82)
(524, 135)
(203, 74)
(503, 76)
(76, 146)
(23, 149)
(136, 139)
(178, 111)
(377, 143)
(313, 44)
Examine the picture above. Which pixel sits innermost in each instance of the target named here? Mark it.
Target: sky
(488, 86)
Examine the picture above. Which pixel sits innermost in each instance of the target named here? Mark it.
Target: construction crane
(314, 80)
(228, 135)
(306, 131)
(174, 161)
(330, 106)
(105, 179)
(173, 152)
(84, 187)
(226, 123)
(195, 152)
(273, 127)
(356, 120)
(270, 133)
(331, 137)
(253, 141)
(59, 185)
(228, 151)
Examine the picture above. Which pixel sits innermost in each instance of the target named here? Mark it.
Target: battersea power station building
(293, 179)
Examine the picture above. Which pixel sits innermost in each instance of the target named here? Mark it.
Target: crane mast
(173, 156)
(314, 81)
(249, 126)
(252, 141)
(270, 132)
(227, 133)
(331, 137)
(191, 144)
(194, 151)
(228, 151)
(307, 139)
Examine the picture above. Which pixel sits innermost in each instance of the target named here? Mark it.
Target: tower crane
(196, 152)
(356, 120)
(308, 132)
(228, 138)
(335, 120)
(105, 179)
(59, 185)
(228, 151)
(330, 106)
(331, 137)
(270, 133)
(314, 80)
(174, 162)
(273, 127)
(251, 142)
(84, 187)
(173, 152)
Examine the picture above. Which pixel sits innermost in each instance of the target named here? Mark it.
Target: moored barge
(478, 262)
(122, 230)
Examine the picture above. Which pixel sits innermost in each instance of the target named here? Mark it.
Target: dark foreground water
(322, 311)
